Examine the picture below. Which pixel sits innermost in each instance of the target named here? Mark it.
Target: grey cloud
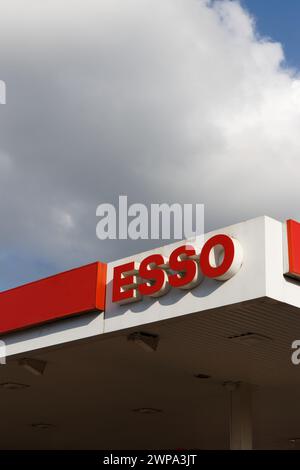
(174, 101)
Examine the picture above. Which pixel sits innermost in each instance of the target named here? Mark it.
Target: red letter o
(232, 257)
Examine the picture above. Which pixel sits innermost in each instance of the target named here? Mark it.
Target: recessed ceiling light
(147, 410)
(202, 376)
(35, 366)
(249, 338)
(146, 341)
(13, 386)
(42, 425)
(294, 442)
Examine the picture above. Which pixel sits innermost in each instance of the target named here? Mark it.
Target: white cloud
(163, 100)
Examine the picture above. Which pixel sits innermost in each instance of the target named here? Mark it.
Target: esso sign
(220, 258)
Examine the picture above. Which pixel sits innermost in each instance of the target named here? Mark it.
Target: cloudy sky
(162, 100)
